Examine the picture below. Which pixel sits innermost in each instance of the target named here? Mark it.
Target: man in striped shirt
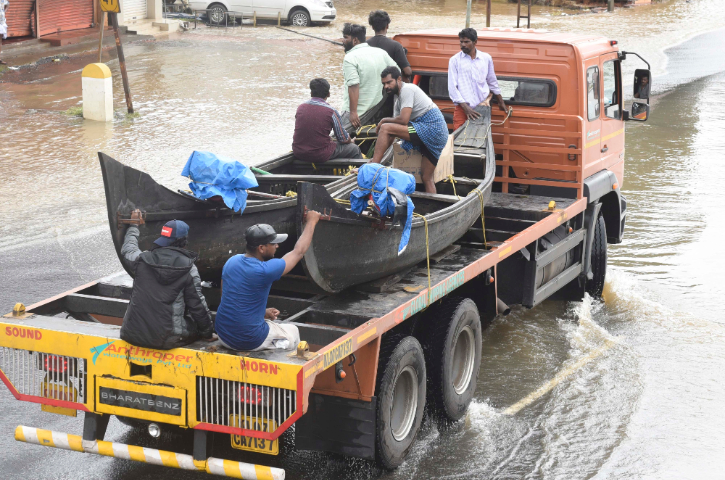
(314, 120)
(471, 79)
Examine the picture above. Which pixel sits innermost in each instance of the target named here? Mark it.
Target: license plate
(59, 391)
(260, 445)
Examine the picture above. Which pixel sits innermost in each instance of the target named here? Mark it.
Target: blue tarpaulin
(212, 175)
(382, 178)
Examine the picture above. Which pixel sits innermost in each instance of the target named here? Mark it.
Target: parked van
(300, 13)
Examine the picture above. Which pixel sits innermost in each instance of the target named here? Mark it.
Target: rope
(367, 132)
(453, 184)
(427, 253)
(290, 193)
(483, 224)
(314, 167)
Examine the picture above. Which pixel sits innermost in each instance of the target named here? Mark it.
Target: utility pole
(113, 8)
(100, 39)
(468, 13)
(488, 13)
(610, 6)
(121, 61)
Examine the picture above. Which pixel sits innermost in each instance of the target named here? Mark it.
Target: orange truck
(370, 362)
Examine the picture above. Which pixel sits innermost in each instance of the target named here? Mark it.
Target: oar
(311, 36)
(264, 195)
(259, 171)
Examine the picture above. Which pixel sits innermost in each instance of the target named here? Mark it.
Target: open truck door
(611, 145)
(593, 121)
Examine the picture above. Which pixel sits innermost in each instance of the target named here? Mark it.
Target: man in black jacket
(167, 309)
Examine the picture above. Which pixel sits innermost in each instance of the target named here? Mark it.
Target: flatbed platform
(322, 319)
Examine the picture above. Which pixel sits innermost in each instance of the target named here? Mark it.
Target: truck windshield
(537, 92)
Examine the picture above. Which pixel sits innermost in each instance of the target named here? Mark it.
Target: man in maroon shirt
(314, 120)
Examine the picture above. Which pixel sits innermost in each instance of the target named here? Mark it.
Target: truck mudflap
(214, 466)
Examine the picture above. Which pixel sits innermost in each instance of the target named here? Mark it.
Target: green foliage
(76, 111)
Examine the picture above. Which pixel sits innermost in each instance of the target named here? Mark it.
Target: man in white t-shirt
(417, 120)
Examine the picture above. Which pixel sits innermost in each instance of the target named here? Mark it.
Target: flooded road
(648, 407)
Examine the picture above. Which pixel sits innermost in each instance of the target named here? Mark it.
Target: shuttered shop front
(19, 17)
(133, 10)
(64, 15)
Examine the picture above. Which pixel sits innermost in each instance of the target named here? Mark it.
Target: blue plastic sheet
(212, 175)
(383, 177)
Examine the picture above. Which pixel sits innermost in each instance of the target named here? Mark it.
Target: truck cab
(565, 137)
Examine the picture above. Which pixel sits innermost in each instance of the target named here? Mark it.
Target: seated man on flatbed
(167, 309)
(417, 120)
(313, 122)
(243, 321)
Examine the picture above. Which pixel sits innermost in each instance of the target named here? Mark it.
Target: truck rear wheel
(595, 286)
(453, 356)
(401, 402)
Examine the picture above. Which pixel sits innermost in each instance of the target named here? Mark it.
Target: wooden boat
(350, 249)
(216, 232)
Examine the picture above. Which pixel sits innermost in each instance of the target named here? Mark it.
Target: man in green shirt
(361, 70)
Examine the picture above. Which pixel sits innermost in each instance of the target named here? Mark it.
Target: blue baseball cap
(172, 231)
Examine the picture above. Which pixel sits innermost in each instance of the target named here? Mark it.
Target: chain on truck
(371, 362)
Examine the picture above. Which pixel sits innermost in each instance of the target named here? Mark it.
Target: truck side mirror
(639, 112)
(642, 84)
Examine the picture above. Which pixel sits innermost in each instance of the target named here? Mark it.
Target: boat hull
(350, 249)
(215, 233)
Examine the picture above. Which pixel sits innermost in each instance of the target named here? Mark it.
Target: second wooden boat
(349, 249)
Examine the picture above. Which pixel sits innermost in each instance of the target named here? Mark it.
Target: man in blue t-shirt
(243, 321)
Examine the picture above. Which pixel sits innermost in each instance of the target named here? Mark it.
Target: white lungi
(277, 331)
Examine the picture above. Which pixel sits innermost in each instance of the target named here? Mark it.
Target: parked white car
(300, 13)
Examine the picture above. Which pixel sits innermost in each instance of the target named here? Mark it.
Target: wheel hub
(464, 356)
(405, 403)
(299, 20)
(217, 15)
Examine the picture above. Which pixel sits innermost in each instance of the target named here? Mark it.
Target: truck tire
(401, 402)
(595, 286)
(453, 356)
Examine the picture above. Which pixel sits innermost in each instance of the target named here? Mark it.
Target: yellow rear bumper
(215, 466)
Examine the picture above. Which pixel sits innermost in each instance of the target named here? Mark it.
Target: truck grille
(45, 375)
(218, 401)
